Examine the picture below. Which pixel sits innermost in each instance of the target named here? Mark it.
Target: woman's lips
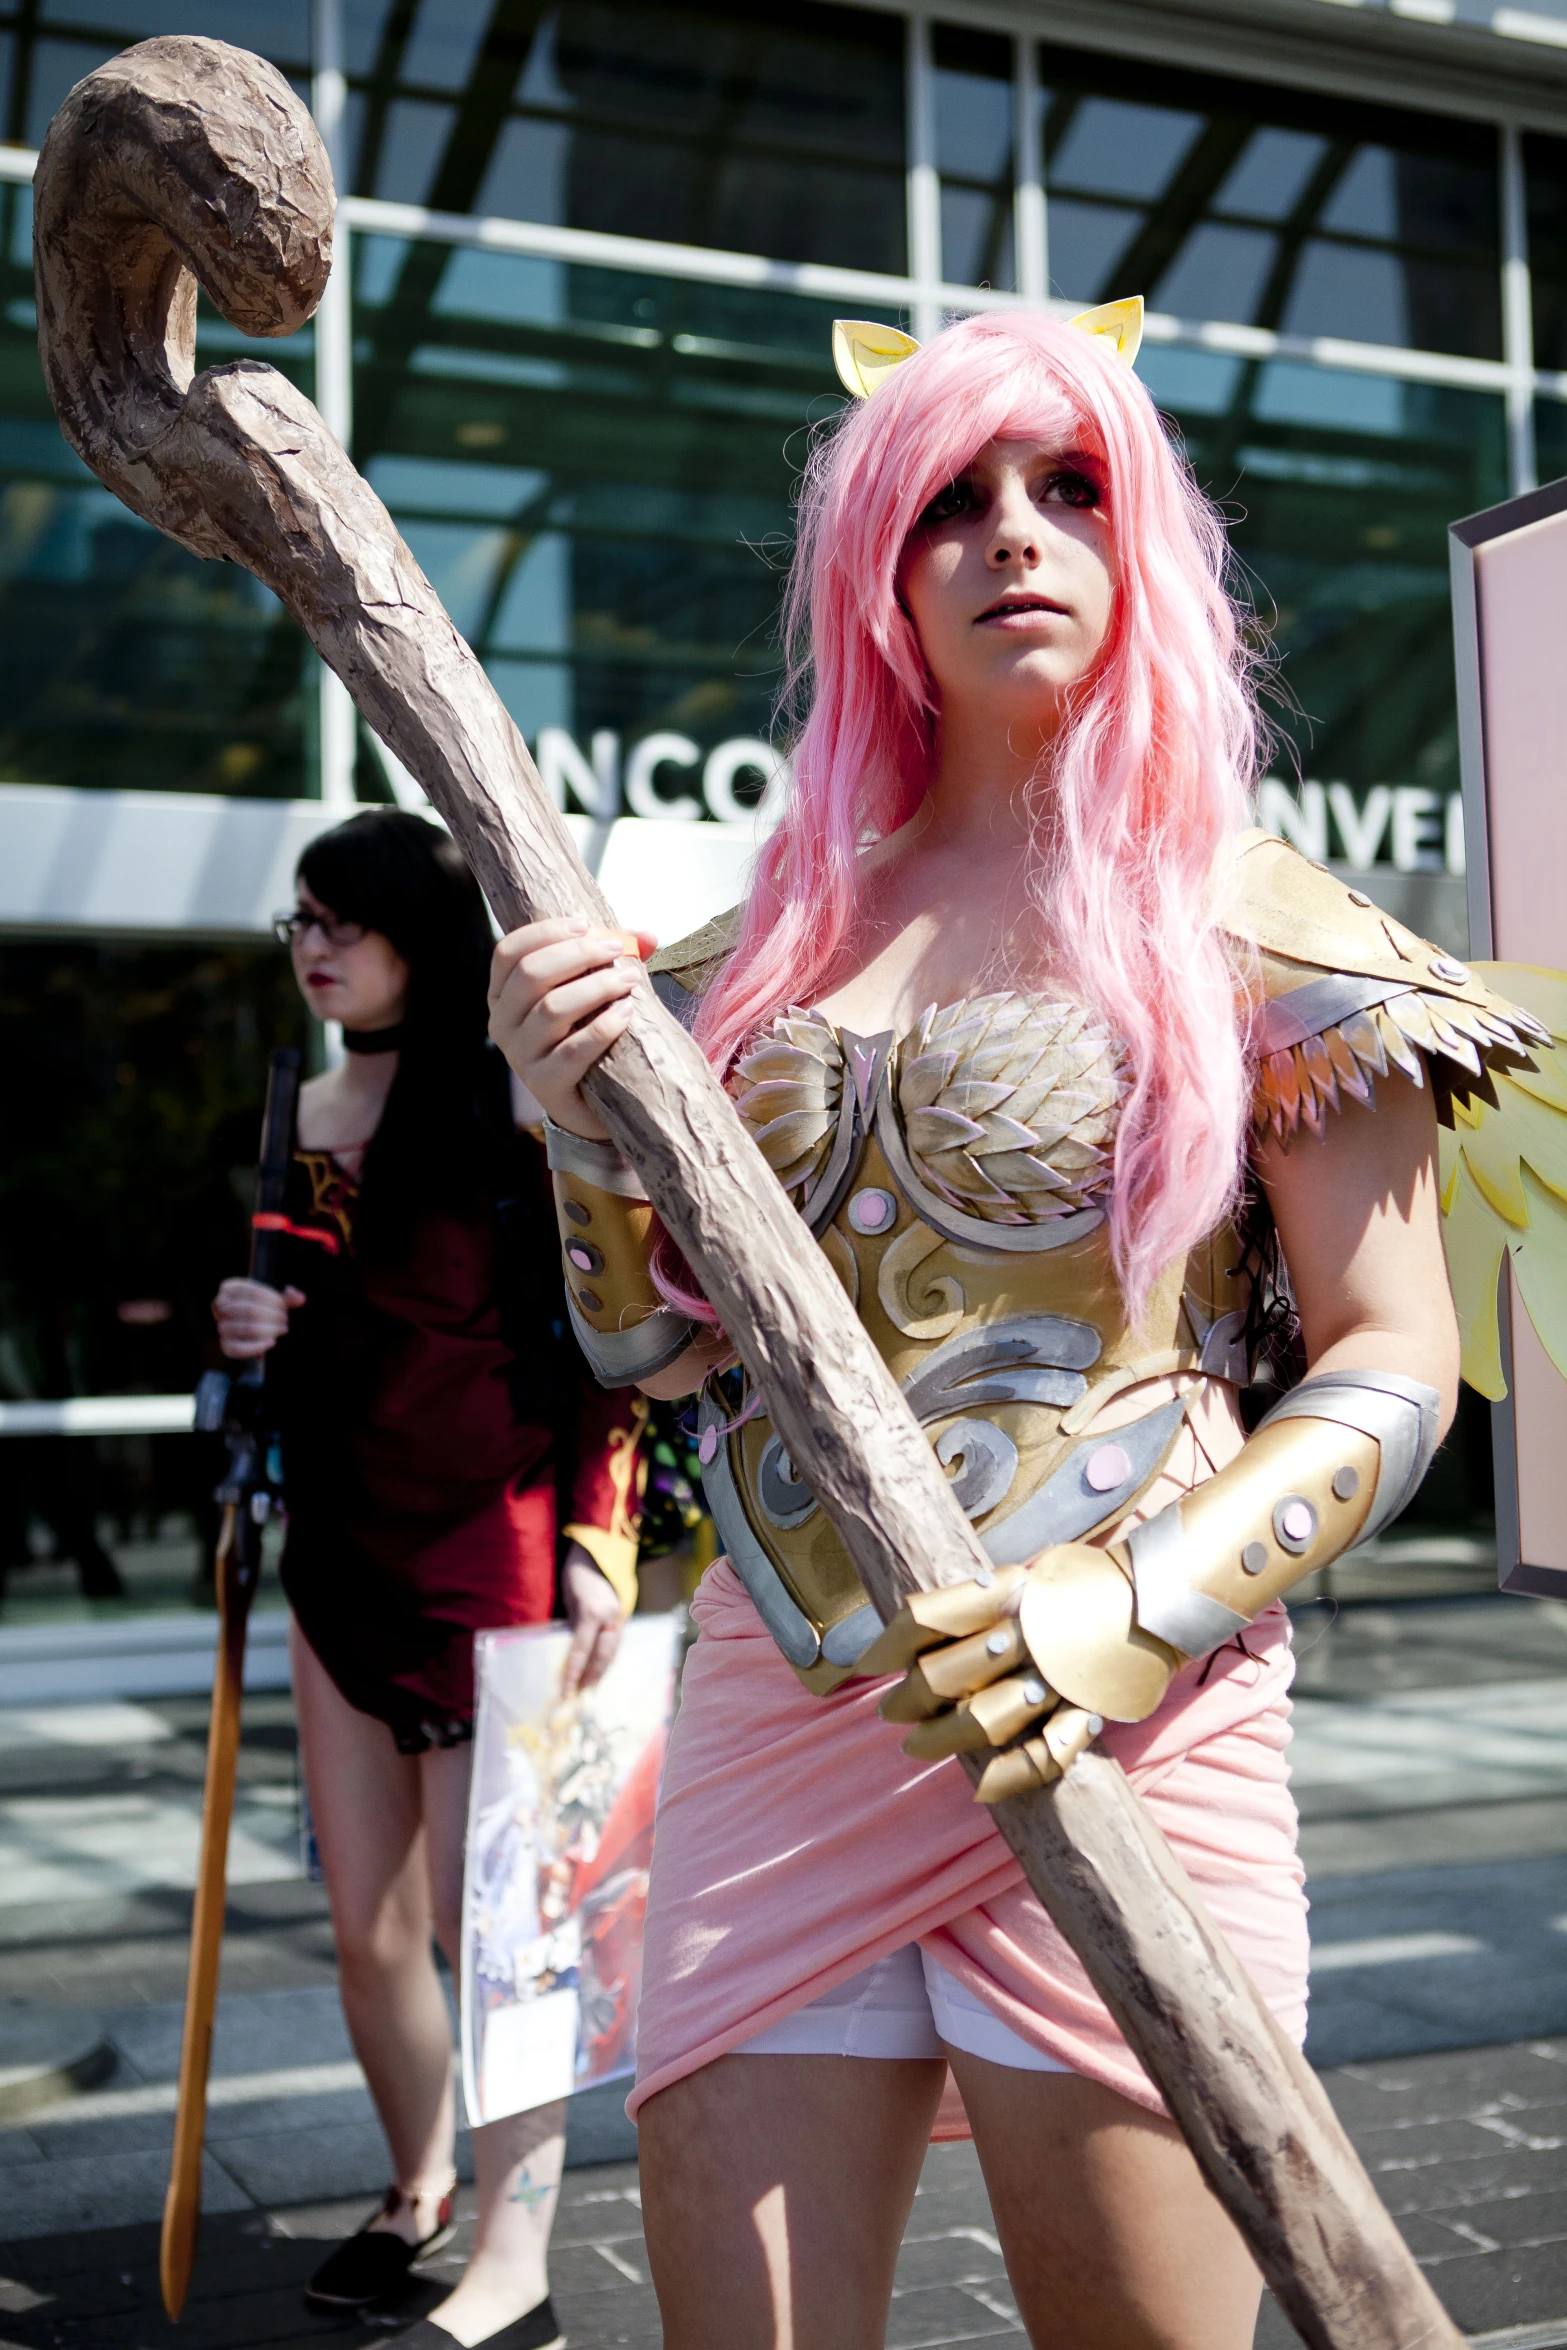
(1019, 615)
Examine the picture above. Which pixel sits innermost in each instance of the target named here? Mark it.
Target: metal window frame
(1514, 1573)
(1334, 63)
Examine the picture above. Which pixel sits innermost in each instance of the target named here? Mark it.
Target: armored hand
(1034, 1663)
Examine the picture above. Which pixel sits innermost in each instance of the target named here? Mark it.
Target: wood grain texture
(183, 156)
(236, 1583)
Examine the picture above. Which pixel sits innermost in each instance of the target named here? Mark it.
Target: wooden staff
(247, 1496)
(184, 156)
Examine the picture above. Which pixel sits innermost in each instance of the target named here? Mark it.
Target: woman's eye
(1074, 489)
(956, 498)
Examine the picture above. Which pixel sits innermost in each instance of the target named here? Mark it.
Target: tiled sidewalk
(1469, 2150)
(1431, 1768)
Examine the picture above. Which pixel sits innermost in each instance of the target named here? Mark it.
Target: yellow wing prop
(1504, 1188)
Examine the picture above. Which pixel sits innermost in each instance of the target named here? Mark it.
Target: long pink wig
(1145, 785)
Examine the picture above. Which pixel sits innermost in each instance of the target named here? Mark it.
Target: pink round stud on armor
(1294, 1523)
(1107, 1468)
(581, 1259)
(873, 1211)
(707, 1447)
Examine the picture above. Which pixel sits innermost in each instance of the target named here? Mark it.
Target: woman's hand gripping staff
(1034, 1664)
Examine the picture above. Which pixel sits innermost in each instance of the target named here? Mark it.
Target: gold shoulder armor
(682, 973)
(1340, 992)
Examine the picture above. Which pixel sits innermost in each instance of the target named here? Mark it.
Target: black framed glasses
(287, 927)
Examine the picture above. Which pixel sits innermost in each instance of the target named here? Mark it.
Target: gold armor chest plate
(956, 1182)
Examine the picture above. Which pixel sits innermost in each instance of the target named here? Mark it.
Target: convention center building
(577, 339)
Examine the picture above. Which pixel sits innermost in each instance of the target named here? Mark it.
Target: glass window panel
(412, 144)
(274, 28)
(1339, 487)
(136, 1077)
(976, 238)
(510, 287)
(364, 28)
(1290, 394)
(535, 610)
(1545, 176)
(1219, 272)
(1107, 148)
(130, 663)
(443, 485)
(1086, 245)
(1270, 178)
(1348, 290)
(1550, 439)
(1191, 383)
(700, 124)
(529, 177)
(1270, 207)
(1366, 199)
(597, 468)
(53, 68)
(443, 44)
(541, 83)
(973, 104)
(974, 138)
(537, 693)
(277, 29)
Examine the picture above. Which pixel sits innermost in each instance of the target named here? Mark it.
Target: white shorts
(904, 2005)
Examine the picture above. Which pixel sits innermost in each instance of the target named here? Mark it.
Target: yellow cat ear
(1121, 323)
(865, 354)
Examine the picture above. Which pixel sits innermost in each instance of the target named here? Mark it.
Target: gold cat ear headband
(865, 354)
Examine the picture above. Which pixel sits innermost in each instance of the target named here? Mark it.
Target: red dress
(421, 1507)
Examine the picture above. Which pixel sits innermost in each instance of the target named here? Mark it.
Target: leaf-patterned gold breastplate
(958, 1180)
(1006, 1104)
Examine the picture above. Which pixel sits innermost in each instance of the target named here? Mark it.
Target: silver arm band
(620, 1358)
(1401, 1414)
(598, 1163)
(1167, 1606)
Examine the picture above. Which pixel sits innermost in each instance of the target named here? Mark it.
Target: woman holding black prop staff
(422, 1381)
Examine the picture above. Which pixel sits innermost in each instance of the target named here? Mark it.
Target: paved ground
(1431, 1766)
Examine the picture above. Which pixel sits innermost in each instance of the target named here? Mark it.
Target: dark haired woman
(420, 1391)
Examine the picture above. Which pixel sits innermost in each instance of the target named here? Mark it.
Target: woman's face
(346, 972)
(1009, 577)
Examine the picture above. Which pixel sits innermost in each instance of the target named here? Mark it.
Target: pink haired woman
(1025, 1021)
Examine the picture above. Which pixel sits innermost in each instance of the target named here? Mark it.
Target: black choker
(376, 1040)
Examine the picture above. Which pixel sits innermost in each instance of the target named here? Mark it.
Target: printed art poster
(560, 1832)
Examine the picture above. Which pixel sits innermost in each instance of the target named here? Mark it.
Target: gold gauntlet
(621, 1323)
(1037, 1659)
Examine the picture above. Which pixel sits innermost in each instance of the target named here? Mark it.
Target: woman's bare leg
(517, 2161)
(1112, 2239)
(365, 1802)
(803, 2171)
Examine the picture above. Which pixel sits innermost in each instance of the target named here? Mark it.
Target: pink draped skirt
(796, 1843)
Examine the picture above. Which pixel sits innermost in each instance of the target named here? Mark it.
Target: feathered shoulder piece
(682, 973)
(1342, 993)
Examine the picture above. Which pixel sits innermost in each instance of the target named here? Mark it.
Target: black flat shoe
(373, 2264)
(539, 2330)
